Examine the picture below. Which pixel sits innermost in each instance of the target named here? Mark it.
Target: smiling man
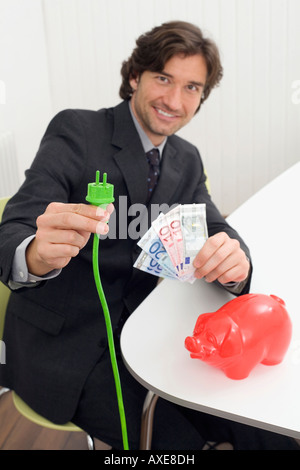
(57, 358)
(165, 102)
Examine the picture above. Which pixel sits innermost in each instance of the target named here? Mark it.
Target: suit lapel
(130, 157)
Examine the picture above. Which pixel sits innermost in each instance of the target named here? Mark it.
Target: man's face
(164, 102)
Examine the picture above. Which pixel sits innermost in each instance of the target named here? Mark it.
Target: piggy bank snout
(195, 346)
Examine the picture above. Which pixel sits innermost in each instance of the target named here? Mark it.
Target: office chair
(20, 405)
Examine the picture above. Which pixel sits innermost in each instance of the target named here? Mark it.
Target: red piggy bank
(248, 330)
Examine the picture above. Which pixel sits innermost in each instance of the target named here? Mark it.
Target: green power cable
(110, 340)
(102, 194)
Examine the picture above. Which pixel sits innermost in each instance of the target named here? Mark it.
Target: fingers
(66, 237)
(62, 231)
(78, 217)
(110, 208)
(56, 247)
(222, 259)
(86, 210)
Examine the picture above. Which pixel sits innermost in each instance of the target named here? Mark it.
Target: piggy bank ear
(232, 344)
(200, 323)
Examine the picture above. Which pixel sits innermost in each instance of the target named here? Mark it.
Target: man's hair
(155, 48)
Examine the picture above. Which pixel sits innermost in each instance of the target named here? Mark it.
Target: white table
(152, 339)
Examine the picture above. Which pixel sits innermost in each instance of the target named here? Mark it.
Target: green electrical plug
(102, 194)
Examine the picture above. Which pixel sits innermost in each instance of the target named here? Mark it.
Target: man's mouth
(165, 114)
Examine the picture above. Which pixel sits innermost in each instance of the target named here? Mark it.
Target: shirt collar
(146, 142)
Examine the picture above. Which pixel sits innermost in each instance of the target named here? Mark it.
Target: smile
(165, 114)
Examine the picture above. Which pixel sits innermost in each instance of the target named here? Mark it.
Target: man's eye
(193, 88)
(163, 79)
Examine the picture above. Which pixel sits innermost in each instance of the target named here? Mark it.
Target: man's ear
(233, 342)
(134, 81)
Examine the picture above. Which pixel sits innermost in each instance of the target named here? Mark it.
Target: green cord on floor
(110, 340)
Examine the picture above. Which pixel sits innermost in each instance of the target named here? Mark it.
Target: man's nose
(173, 98)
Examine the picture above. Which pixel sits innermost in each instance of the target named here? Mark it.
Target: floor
(18, 433)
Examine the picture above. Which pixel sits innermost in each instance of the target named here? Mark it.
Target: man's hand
(221, 258)
(62, 231)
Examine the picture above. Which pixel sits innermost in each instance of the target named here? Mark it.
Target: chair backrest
(207, 183)
(4, 291)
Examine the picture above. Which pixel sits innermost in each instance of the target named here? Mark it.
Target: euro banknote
(171, 244)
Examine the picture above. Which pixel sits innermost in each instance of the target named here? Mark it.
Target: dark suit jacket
(55, 333)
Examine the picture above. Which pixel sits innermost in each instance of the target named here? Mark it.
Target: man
(57, 355)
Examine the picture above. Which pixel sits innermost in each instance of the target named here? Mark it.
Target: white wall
(26, 108)
(68, 53)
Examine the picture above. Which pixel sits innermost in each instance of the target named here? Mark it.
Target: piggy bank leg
(237, 372)
(242, 366)
(277, 351)
(272, 361)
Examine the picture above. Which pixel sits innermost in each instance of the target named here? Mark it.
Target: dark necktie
(153, 160)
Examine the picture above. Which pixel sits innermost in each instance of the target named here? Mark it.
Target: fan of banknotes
(171, 244)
